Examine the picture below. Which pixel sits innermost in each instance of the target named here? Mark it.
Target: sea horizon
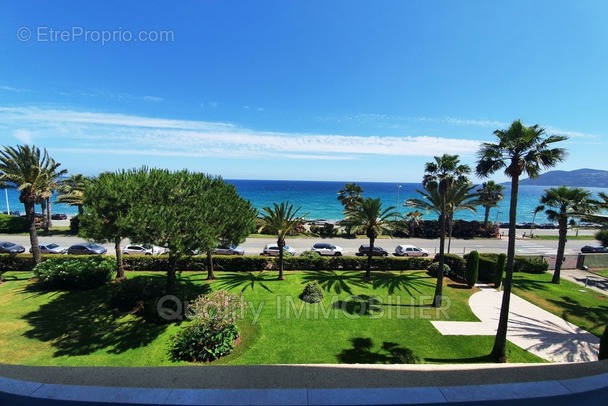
(318, 200)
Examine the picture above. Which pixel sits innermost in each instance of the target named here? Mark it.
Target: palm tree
(440, 176)
(368, 216)
(350, 196)
(564, 202)
(44, 198)
(413, 220)
(458, 197)
(30, 171)
(536, 210)
(490, 194)
(71, 191)
(280, 219)
(519, 150)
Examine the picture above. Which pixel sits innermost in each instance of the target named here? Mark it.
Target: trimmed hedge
(75, 273)
(488, 262)
(472, 271)
(12, 224)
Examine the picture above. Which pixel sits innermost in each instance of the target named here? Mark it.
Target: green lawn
(587, 309)
(601, 272)
(78, 328)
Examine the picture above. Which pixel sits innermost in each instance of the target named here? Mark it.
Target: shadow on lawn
(244, 280)
(389, 353)
(332, 281)
(83, 322)
(405, 281)
(571, 307)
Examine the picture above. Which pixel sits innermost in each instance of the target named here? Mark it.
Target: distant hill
(577, 178)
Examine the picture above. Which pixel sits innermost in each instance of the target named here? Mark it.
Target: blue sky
(319, 90)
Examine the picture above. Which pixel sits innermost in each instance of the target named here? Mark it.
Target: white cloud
(81, 131)
(23, 136)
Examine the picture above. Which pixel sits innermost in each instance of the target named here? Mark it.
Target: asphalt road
(254, 246)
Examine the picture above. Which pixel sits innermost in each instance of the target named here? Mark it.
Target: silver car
(52, 248)
(324, 248)
(410, 251)
(228, 250)
(273, 250)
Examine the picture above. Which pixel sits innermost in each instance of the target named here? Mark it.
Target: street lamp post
(497, 213)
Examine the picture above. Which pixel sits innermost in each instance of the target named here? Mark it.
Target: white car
(146, 249)
(228, 250)
(324, 248)
(410, 251)
(273, 250)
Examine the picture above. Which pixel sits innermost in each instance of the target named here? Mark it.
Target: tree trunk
(210, 273)
(500, 343)
(561, 248)
(281, 244)
(49, 214)
(31, 228)
(486, 216)
(451, 225)
(43, 209)
(120, 266)
(171, 275)
(439, 287)
(368, 269)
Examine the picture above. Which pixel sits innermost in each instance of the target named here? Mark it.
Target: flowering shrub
(212, 329)
(75, 273)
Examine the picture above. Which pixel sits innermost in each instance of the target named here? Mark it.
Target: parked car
(324, 248)
(273, 250)
(376, 252)
(138, 250)
(87, 249)
(59, 216)
(51, 248)
(228, 250)
(410, 251)
(11, 248)
(590, 249)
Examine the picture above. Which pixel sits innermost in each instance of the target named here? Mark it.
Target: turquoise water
(318, 200)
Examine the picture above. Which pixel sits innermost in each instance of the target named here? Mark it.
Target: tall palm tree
(413, 220)
(280, 219)
(441, 175)
(369, 217)
(71, 191)
(459, 196)
(44, 199)
(29, 170)
(350, 196)
(519, 150)
(490, 194)
(564, 202)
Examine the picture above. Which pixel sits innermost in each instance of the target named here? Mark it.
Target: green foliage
(212, 330)
(313, 293)
(12, 224)
(456, 262)
(75, 273)
(472, 270)
(602, 236)
(200, 343)
(22, 262)
(75, 224)
(131, 294)
(434, 268)
(326, 230)
(501, 262)
(530, 264)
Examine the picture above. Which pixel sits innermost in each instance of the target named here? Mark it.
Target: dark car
(59, 216)
(87, 249)
(376, 252)
(11, 248)
(590, 249)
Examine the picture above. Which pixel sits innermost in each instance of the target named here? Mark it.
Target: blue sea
(319, 200)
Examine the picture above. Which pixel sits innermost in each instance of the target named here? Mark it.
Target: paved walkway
(530, 327)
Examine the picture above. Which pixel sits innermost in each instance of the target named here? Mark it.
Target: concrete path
(530, 327)
(586, 279)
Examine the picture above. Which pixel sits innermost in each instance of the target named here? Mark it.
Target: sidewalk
(530, 327)
(587, 279)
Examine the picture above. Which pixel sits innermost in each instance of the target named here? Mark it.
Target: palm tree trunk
(368, 269)
(49, 222)
(210, 274)
(451, 225)
(486, 216)
(561, 248)
(281, 244)
(500, 343)
(120, 266)
(439, 287)
(31, 228)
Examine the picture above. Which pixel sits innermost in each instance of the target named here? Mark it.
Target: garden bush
(313, 293)
(456, 263)
(212, 331)
(472, 270)
(12, 224)
(434, 268)
(530, 264)
(602, 236)
(21, 262)
(75, 273)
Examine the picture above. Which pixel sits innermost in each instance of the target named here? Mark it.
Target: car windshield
(7, 244)
(52, 245)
